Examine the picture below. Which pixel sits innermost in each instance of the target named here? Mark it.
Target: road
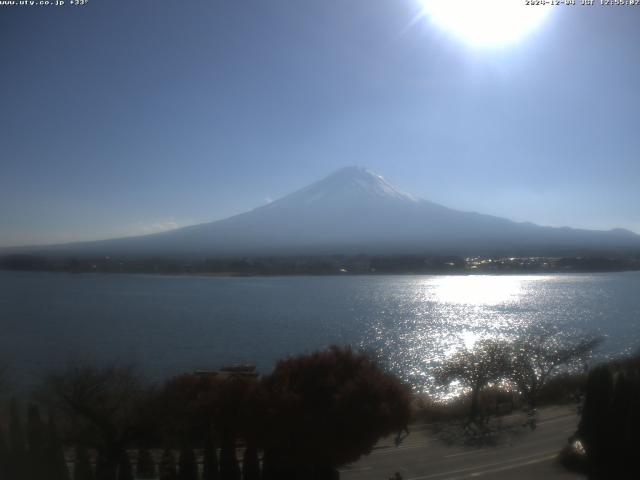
(522, 455)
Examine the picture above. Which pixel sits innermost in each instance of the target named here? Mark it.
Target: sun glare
(480, 289)
(485, 23)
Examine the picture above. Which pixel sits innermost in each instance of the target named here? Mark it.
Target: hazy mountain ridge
(356, 211)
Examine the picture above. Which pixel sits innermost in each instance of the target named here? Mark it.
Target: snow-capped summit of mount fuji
(354, 210)
(349, 184)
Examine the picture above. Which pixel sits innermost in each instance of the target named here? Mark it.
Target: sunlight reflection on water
(476, 290)
(441, 315)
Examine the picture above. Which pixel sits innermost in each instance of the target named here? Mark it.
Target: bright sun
(485, 22)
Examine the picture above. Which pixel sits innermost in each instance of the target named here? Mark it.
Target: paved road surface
(423, 456)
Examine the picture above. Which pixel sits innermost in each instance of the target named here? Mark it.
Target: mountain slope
(356, 211)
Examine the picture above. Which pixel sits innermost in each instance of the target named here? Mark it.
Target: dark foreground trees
(34, 452)
(312, 414)
(328, 409)
(610, 422)
(105, 409)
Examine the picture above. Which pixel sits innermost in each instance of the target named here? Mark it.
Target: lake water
(170, 324)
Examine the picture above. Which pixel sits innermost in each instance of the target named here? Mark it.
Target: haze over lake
(170, 324)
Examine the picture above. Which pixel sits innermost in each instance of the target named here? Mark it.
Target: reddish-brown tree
(329, 408)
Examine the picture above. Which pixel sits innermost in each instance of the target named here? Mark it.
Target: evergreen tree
(16, 434)
(146, 467)
(125, 472)
(594, 424)
(229, 469)
(188, 465)
(35, 430)
(622, 440)
(250, 464)
(4, 456)
(38, 464)
(167, 467)
(268, 466)
(210, 461)
(610, 421)
(18, 463)
(82, 467)
(55, 458)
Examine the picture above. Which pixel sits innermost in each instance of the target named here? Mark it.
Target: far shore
(326, 265)
(232, 274)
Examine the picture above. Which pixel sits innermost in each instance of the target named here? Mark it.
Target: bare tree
(487, 362)
(536, 358)
(104, 408)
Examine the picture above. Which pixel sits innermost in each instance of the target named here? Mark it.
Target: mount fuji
(356, 211)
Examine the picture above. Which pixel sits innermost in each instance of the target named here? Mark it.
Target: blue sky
(127, 117)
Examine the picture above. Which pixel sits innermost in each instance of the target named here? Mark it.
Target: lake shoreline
(333, 274)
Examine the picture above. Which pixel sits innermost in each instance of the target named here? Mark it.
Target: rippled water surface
(173, 324)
